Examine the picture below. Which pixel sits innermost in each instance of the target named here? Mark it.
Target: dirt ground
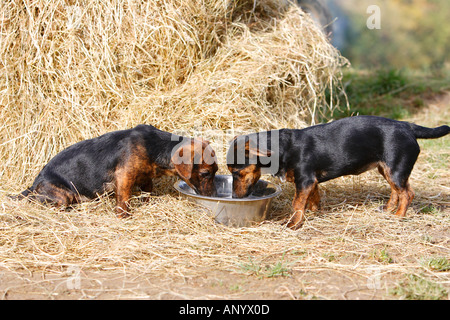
(355, 253)
(325, 283)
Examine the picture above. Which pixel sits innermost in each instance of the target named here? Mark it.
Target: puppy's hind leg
(406, 196)
(146, 187)
(313, 203)
(397, 172)
(46, 192)
(392, 203)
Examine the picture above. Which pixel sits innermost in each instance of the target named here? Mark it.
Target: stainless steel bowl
(234, 212)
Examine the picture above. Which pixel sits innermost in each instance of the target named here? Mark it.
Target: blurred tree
(413, 34)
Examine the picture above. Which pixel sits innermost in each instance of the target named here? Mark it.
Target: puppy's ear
(258, 152)
(242, 148)
(209, 156)
(183, 160)
(202, 152)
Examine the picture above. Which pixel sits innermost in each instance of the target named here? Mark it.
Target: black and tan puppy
(121, 160)
(323, 152)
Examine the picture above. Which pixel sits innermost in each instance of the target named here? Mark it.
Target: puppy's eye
(205, 174)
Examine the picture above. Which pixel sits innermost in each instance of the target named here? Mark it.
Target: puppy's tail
(429, 133)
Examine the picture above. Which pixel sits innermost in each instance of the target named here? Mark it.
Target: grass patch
(329, 256)
(429, 209)
(390, 93)
(278, 269)
(382, 256)
(438, 264)
(415, 287)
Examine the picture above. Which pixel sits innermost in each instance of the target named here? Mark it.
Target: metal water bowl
(234, 212)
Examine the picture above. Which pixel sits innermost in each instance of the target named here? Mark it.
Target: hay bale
(72, 72)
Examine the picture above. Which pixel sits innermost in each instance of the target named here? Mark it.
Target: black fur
(348, 146)
(115, 161)
(86, 167)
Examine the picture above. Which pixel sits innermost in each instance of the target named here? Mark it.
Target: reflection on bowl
(235, 212)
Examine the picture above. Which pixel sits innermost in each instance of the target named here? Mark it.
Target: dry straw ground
(72, 70)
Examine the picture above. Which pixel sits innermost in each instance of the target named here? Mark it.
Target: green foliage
(418, 288)
(265, 271)
(388, 92)
(438, 264)
(382, 256)
(278, 269)
(429, 209)
(413, 34)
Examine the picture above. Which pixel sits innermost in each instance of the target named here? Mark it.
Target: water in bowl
(224, 195)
